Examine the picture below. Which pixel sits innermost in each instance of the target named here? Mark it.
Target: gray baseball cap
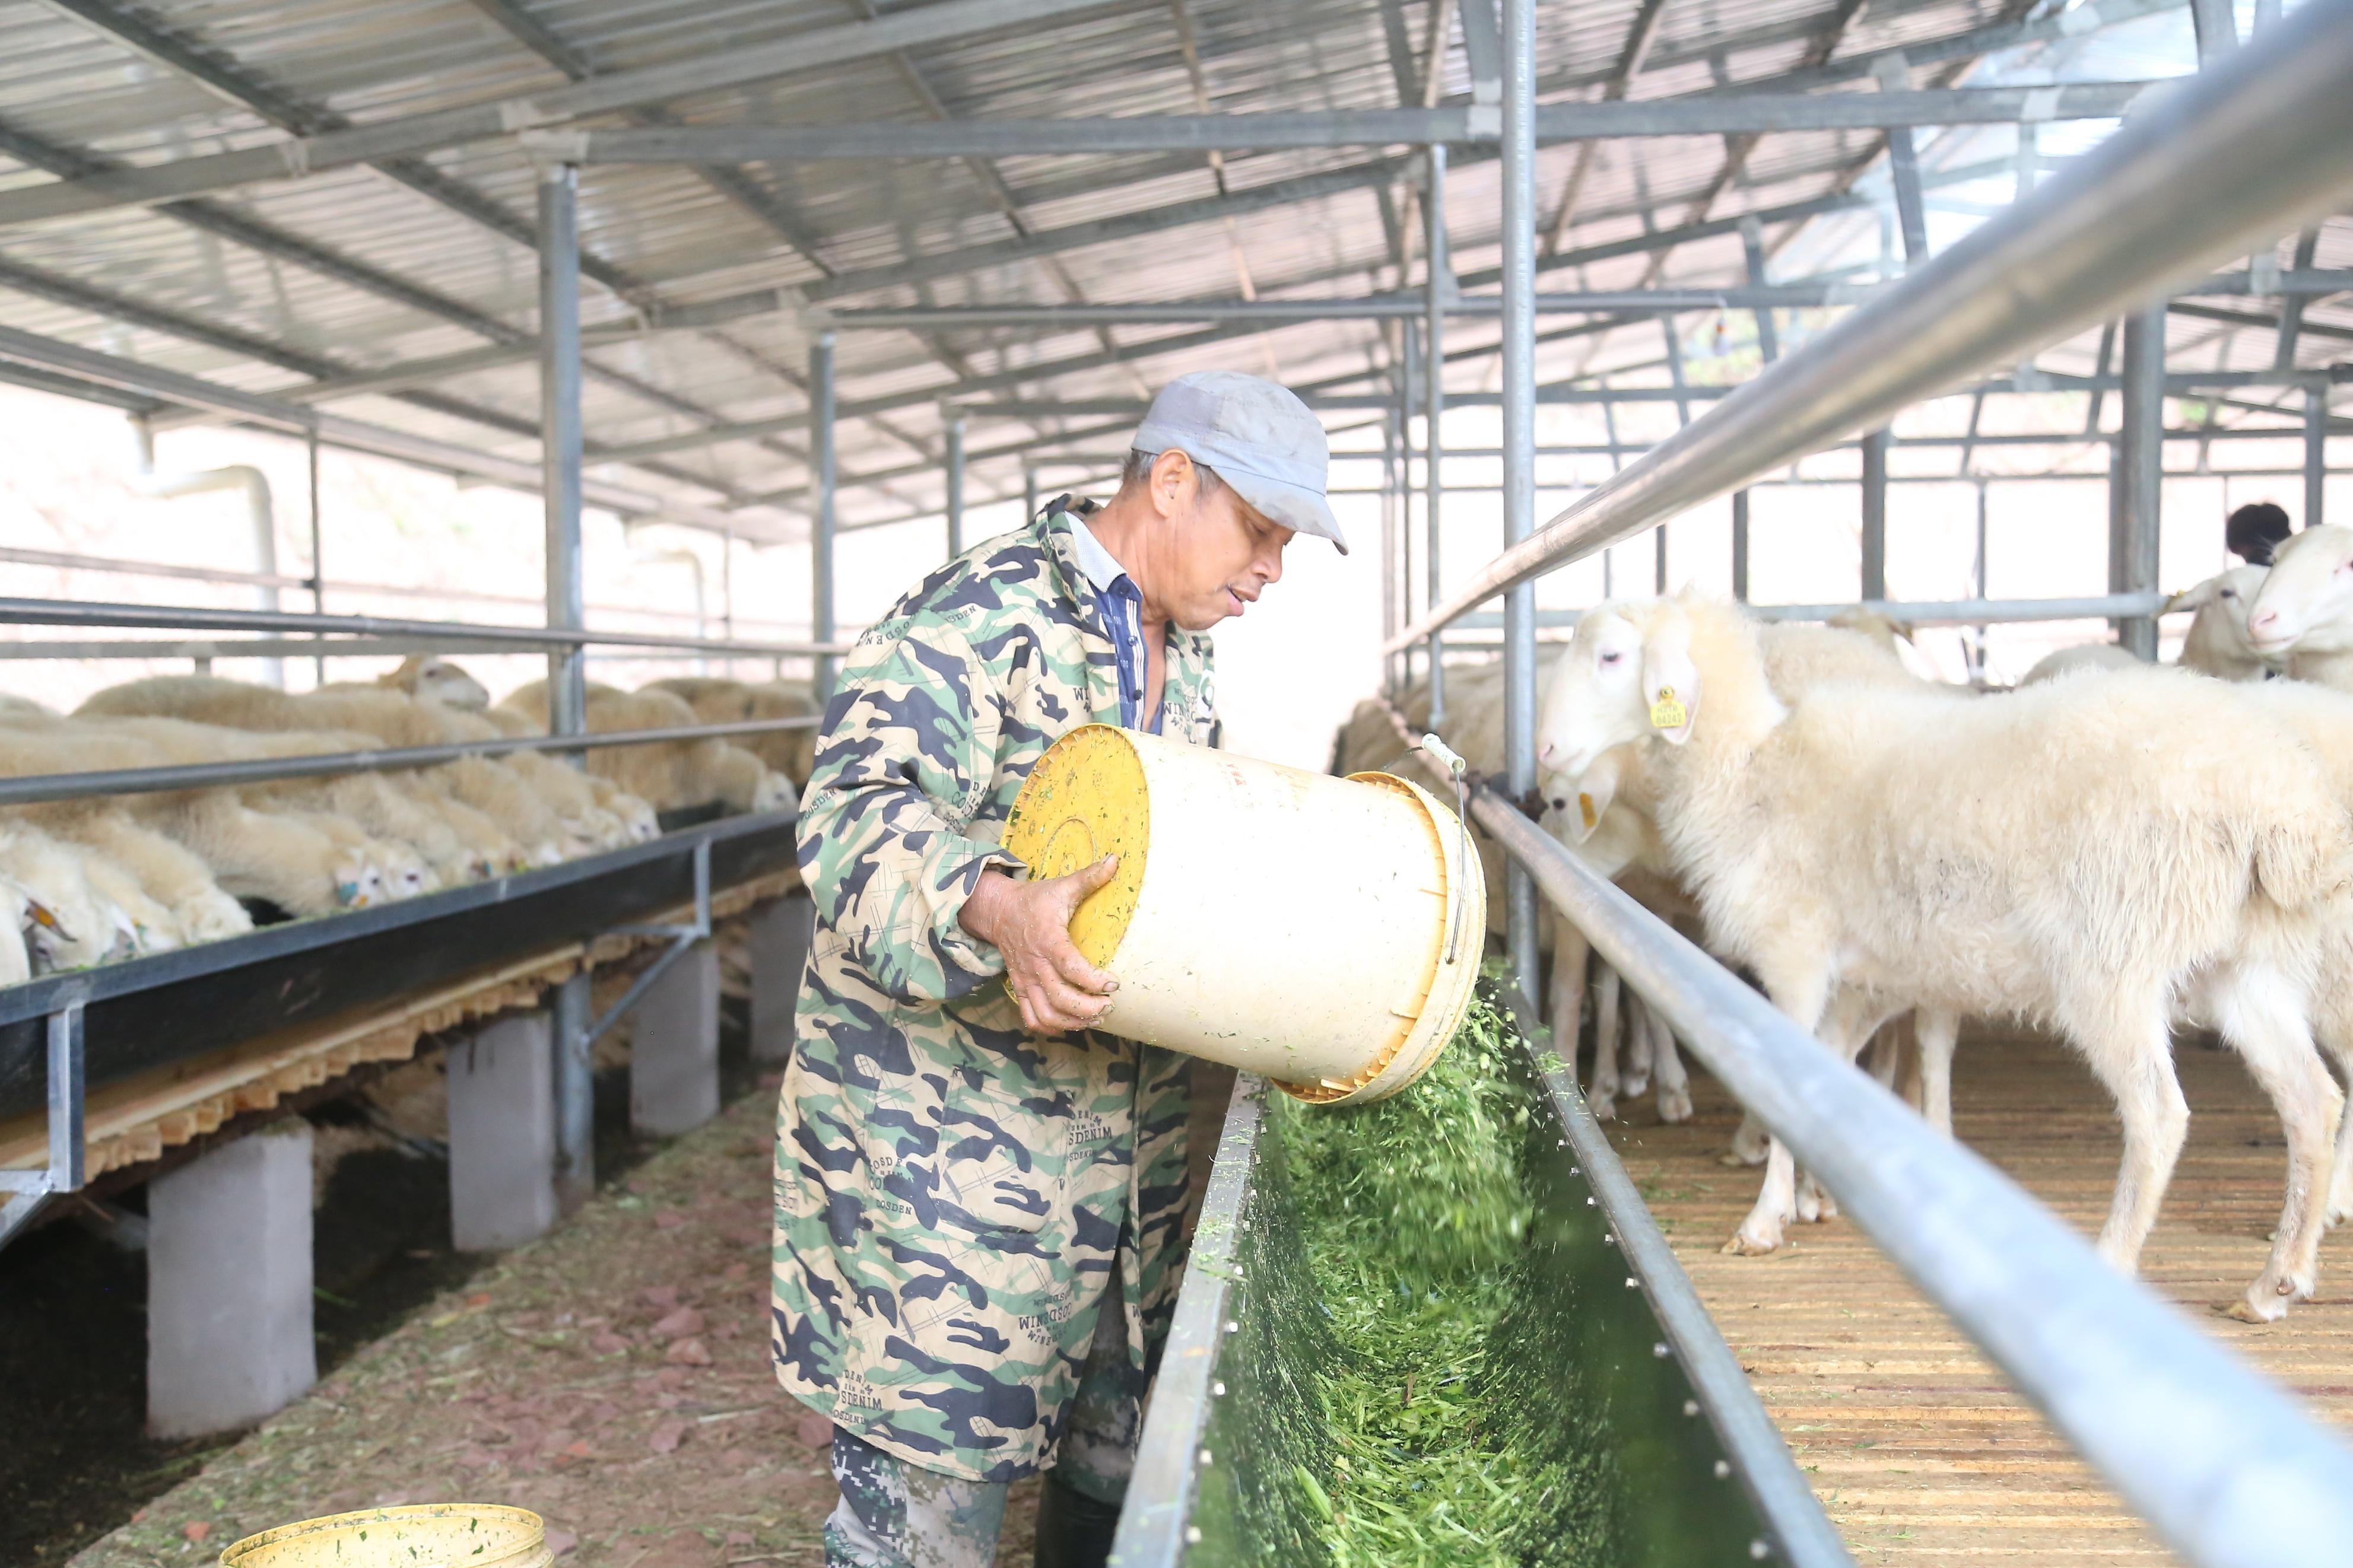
(1257, 435)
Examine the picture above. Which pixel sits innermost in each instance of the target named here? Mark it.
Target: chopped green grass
(1414, 1214)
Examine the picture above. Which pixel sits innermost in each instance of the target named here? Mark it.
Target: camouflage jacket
(953, 1195)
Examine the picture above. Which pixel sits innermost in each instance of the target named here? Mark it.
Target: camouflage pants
(893, 1514)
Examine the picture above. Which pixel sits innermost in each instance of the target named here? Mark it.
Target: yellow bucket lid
(426, 1535)
(1084, 799)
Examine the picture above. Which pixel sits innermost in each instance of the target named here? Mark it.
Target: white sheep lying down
(2020, 857)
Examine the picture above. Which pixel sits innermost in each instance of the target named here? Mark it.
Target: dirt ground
(612, 1376)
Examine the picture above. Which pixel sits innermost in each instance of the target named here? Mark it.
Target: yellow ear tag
(1667, 712)
(41, 915)
(1585, 809)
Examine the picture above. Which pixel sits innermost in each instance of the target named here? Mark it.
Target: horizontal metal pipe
(35, 787)
(65, 561)
(2253, 145)
(1911, 612)
(1707, 115)
(1370, 307)
(2230, 1470)
(1383, 307)
(198, 617)
(333, 429)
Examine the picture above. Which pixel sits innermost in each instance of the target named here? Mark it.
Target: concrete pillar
(674, 1047)
(780, 935)
(503, 1134)
(228, 1284)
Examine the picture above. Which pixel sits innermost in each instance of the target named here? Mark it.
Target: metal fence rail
(523, 639)
(37, 787)
(2250, 147)
(2233, 1472)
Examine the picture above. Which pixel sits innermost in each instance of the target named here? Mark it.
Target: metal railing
(2252, 147)
(2229, 1468)
(33, 788)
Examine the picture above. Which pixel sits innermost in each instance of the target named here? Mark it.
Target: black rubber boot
(1074, 1530)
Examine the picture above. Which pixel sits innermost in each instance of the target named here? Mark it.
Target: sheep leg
(1936, 1034)
(1804, 1000)
(1748, 1142)
(2264, 1023)
(1852, 1025)
(1638, 1047)
(1674, 1083)
(1603, 1097)
(1569, 950)
(2340, 1184)
(2130, 1051)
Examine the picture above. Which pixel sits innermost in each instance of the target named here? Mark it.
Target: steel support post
(1740, 545)
(559, 390)
(821, 511)
(1028, 496)
(318, 559)
(2132, 542)
(1519, 367)
(1409, 349)
(2316, 454)
(1433, 406)
(1389, 544)
(956, 487)
(1874, 514)
(560, 434)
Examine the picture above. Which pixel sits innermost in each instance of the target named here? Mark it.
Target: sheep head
(429, 677)
(2224, 603)
(2306, 602)
(1628, 674)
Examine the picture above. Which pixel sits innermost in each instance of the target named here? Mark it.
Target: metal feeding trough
(1627, 1369)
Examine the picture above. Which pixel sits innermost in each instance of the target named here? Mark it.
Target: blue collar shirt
(1120, 604)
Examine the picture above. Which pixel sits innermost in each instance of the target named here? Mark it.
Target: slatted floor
(1916, 1445)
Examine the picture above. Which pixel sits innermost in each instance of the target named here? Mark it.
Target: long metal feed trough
(1638, 1374)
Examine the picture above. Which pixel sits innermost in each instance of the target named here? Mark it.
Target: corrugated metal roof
(359, 269)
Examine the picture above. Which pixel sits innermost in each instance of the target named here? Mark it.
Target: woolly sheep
(392, 719)
(251, 854)
(2070, 660)
(69, 923)
(2014, 857)
(164, 869)
(721, 702)
(2303, 610)
(2217, 643)
(666, 774)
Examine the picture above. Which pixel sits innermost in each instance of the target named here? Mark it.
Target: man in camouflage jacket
(977, 1213)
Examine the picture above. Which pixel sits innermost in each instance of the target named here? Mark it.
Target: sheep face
(359, 882)
(1627, 674)
(2306, 602)
(775, 792)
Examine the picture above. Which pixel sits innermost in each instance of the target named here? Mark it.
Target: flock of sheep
(2108, 851)
(93, 881)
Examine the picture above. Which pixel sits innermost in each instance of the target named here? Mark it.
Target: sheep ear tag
(1667, 711)
(1584, 805)
(40, 914)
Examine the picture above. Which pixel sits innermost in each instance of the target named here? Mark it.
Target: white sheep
(69, 924)
(2084, 656)
(666, 774)
(501, 793)
(2303, 610)
(716, 701)
(165, 871)
(2217, 643)
(251, 854)
(2018, 857)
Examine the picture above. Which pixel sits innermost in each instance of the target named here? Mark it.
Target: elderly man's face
(1217, 554)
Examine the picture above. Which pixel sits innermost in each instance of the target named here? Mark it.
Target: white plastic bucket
(1321, 930)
